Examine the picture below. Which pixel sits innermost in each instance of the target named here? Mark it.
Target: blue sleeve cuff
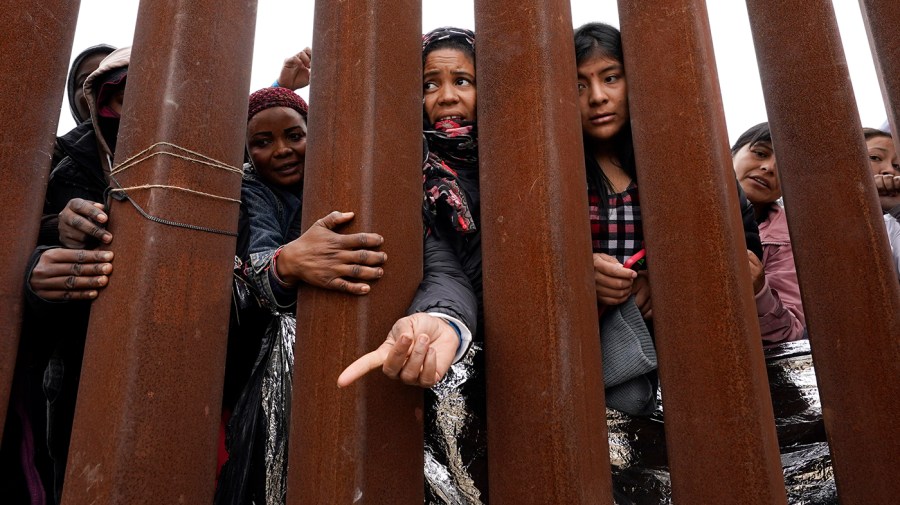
(275, 84)
(462, 331)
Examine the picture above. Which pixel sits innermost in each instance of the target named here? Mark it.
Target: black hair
(758, 133)
(598, 39)
(450, 43)
(593, 40)
(870, 133)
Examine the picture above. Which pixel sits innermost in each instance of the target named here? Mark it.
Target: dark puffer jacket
(452, 285)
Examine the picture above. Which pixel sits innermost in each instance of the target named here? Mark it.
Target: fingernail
(107, 237)
(365, 288)
(380, 272)
(92, 294)
(383, 257)
(106, 255)
(404, 339)
(107, 269)
(423, 339)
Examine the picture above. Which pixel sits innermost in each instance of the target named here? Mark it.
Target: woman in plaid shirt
(615, 211)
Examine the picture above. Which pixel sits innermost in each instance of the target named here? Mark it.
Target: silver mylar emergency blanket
(276, 405)
(455, 446)
(256, 471)
(638, 451)
(455, 441)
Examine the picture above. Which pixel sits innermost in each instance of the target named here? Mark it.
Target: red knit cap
(266, 98)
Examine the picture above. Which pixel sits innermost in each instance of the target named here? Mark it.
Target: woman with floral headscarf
(438, 346)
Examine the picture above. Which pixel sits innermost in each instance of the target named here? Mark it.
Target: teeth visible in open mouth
(451, 118)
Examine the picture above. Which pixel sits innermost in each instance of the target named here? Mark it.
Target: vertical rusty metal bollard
(149, 400)
(882, 17)
(36, 46)
(546, 412)
(851, 297)
(362, 444)
(718, 412)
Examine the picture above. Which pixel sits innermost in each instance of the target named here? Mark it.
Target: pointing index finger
(361, 367)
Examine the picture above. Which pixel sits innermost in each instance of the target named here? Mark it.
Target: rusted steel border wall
(37, 40)
(149, 401)
(545, 401)
(882, 17)
(362, 444)
(850, 292)
(718, 412)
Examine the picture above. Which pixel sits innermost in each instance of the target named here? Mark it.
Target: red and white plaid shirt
(619, 233)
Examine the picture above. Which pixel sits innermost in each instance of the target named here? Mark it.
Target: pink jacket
(778, 304)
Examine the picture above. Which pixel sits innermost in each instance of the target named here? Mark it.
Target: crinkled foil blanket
(276, 405)
(455, 445)
(638, 452)
(455, 441)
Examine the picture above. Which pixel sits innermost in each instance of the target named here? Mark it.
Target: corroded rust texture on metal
(37, 40)
(850, 292)
(364, 443)
(882, 17)
(545, 403)
(149, 402)
(718, 412)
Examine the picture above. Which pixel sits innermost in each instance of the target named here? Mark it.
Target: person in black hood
(82, 66)
(25, 464)
(67, 270)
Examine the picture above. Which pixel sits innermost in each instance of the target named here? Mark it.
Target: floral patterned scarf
(452, 157)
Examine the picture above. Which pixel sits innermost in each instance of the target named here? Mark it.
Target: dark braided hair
(604, 41)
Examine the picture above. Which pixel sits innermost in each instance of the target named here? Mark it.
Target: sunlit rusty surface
(718, 413)
(37, 40)
(850, 292)
(547, 436)
(149, 401)
(362, 444)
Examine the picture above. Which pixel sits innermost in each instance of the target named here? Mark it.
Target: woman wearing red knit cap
(272, 259)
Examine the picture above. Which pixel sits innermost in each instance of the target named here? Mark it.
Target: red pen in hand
(637, 260)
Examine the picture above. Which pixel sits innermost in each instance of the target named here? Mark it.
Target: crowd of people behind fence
(442, 335)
